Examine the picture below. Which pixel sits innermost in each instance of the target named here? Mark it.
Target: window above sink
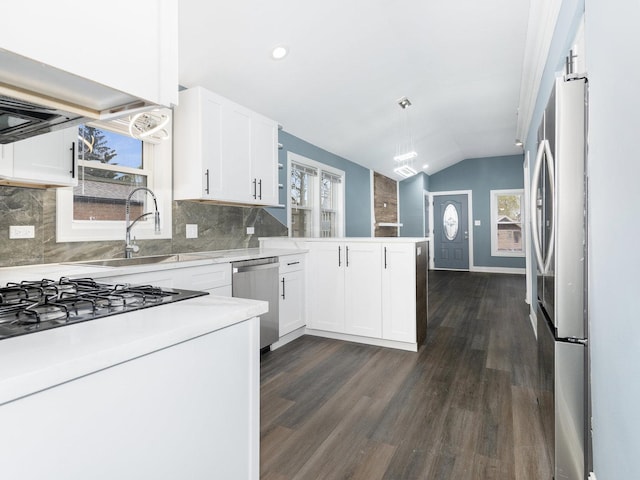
(111, 164)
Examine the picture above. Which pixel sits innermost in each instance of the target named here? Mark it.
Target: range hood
(36, 99)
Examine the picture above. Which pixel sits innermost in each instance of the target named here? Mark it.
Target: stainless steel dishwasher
(258, 280)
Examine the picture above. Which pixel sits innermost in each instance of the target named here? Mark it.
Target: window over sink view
(111, 164)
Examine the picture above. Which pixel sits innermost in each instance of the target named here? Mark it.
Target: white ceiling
(458, 61)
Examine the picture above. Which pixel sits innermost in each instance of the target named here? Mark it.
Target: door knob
(466, 235)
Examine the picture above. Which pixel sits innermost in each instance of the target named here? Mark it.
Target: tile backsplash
(219, 228)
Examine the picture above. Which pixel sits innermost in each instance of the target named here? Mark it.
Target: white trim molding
(543, 16)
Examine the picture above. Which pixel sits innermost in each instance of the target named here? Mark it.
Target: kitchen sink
(148, 260)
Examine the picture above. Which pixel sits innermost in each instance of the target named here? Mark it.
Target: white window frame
(494, 222)
(157, 159)
(321, 167)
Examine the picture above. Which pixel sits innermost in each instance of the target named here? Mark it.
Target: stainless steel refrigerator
(559, 233)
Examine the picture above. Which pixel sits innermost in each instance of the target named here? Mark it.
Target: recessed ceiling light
(279, 52)
(425, 166)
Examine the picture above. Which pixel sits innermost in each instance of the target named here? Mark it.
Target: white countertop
(33, 362)
(54, 271)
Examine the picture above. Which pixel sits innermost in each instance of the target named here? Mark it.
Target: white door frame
(469, 194)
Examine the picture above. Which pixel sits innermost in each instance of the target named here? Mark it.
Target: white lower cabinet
(292, 297)
(344, 286)
(326, 287)
(399, 292)
(215, 278)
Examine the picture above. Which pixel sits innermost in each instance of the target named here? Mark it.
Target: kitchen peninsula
(367, 290)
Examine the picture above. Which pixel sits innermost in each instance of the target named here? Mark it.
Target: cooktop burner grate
(31, 306)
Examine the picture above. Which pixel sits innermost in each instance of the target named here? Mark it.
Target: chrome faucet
(131, 248)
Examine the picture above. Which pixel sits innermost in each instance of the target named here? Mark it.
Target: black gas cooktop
(33, 306)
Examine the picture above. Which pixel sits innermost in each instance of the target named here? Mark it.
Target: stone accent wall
(219, 228)
(385, 204)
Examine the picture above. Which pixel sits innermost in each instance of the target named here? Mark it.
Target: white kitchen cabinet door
(237, 183)
(326, 286)
(399, 292)
(224, 152)
(48, 159)
(264, 159)
(363, 315)
(130, 47)
(197, 159)
(291, 302)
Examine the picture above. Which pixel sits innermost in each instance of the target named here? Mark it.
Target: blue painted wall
(481, 175)
(357, 184)
(411, 192)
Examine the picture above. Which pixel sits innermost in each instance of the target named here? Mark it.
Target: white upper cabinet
(223, 152)
(94, 55)
(264, 159)
(49, 159)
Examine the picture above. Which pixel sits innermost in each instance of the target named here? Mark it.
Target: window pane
(301, 222)
(101, 193)
(328, 191)
(107, 147)
(301, 189)
(328, 224)
(509, 223)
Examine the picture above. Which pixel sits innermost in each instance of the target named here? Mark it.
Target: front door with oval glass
(451, 232)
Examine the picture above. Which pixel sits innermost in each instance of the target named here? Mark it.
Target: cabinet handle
(73, 160)
(339, 256)
(282, 288)
(293, 263)
(385, 258)
(255, 190)
(206, 174)
(347, 249)
(260, 185)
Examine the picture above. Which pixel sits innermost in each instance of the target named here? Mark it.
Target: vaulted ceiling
(459, 62)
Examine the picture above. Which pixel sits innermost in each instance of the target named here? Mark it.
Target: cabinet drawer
(292, 263)
(208, 277)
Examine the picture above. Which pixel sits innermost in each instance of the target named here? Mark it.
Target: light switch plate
(477, 223)
(22, 231)
(192, 230)
(250, 230)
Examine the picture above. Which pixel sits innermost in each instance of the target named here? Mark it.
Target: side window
(316, 199)
(507, 228)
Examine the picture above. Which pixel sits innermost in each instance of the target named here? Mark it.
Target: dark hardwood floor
(463, 407)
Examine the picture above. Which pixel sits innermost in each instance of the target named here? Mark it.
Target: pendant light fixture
(405, 152)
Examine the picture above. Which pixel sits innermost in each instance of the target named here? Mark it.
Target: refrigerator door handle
(544, 153)
(537, 169)
(552, 190)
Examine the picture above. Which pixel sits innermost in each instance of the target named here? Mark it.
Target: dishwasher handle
(253, 268)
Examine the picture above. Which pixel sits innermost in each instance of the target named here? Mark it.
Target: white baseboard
(512, 271)
(410, 347)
